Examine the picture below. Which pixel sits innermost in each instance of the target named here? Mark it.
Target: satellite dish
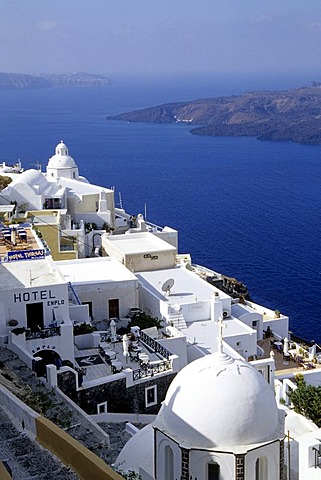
(166, 287)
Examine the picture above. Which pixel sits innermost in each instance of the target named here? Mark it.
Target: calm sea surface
(243, 207)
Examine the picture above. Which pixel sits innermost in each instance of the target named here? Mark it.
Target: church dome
(61, 159)
(219, 401)
(35, 179)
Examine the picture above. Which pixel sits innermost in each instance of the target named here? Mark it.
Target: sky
(161, 37)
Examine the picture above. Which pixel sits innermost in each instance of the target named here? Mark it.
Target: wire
(56, 227)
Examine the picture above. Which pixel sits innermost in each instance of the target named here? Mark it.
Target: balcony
(44, 333)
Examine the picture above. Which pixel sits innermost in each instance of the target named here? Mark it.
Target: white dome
(35, 179)
(138, 451)
(61, 159)
(219, 401)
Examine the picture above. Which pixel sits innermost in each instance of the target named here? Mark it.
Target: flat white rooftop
(79, 187)
(6, 208)
(29, 273)
(40, 218)
(138, 243)
(205, 333)
(94, 270)
(188, 287)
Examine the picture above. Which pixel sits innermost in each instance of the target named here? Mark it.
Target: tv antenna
(166, 287)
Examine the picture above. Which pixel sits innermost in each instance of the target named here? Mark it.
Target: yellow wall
(4, 475)
(84, 462)
(50, 233)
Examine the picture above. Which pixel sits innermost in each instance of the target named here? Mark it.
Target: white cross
(220, 334)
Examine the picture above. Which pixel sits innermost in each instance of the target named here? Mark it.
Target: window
(90, 308)
(261, 469)
(151, 396)
(101, 408)
(213, 471)
(113, 307)
(254, 324)
(169, 463)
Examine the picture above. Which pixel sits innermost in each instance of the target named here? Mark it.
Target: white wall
(198, 310)
(150, 303)
(62, 344)
(249, 318)
(53, 297)
(100, 293)
(272, 453)
(176, 345)
(161, 442)
(169, 235)
(247, 343)
(307, 459)
(199, 460)
(18, 410)
(279, 326)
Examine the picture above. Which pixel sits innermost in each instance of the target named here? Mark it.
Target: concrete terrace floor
(103, 369)
(281, 367)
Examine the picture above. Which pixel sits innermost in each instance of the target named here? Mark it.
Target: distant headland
(19, 81)
(291, 115)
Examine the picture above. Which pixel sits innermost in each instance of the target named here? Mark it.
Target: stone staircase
(176, 319)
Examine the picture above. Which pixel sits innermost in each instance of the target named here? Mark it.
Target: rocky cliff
(293, 115)
(13, 81)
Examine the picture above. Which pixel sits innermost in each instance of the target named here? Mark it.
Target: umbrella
(113, 330)
(125, 346)
(286, 346)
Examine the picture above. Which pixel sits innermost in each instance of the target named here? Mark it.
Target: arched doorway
(47, 357)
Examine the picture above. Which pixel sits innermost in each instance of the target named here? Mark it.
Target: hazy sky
(161, 36)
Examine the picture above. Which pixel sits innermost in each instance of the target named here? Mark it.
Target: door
(35, 316)
(113, 308)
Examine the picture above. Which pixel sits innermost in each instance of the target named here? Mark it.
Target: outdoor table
(136, 349)
(109, 353)
(116, 366)
(143, 358)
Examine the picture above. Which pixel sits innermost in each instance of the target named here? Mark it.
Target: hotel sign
(17, 255)
(38, 295)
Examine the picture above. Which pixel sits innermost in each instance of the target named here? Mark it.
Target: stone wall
(119, 398)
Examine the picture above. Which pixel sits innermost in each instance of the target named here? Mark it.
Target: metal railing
(105, 337)
(74, 293)
(154, 345)
(44, 333)
(151, 370)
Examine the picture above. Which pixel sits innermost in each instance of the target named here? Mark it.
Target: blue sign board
(17, 255)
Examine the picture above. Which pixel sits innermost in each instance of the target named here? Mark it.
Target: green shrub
(142, 320)
(82, 328)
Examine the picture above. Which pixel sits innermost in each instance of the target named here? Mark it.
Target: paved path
(26, 459)
(16, 376)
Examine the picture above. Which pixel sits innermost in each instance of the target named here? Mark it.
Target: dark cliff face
(18, 81)
(293, 115)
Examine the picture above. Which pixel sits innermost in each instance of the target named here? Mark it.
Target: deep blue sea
(243, 207)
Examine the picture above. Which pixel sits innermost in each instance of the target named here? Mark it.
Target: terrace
(16, 241)
(296, 361)
(145, 357)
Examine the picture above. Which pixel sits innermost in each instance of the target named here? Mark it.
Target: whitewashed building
(108, 288)
(219, 421)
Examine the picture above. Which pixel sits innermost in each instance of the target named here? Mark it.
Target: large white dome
(219, 401)
(61, 159)
(35, 179)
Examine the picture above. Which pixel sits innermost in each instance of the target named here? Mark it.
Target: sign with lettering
(17, 255)
(38, 295)
(152, 257)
